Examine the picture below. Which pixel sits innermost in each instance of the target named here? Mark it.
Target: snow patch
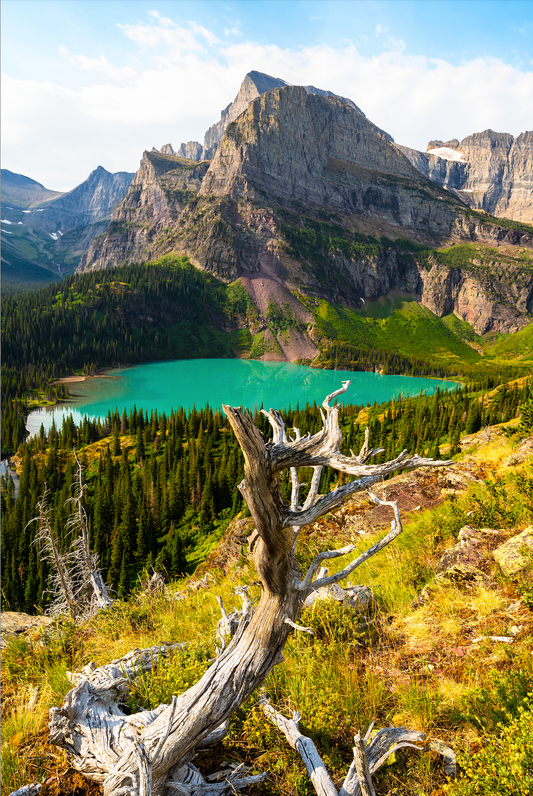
(5, 221)
(466, 190)
(26, 211)
(446, 153)
(59, 232)
(6, 232)
(19, 222)
(40, 210)
(53, 235)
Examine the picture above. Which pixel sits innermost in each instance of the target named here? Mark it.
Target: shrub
(504, 766)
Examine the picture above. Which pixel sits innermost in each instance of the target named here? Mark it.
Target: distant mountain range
(45, 233)
(489, 171)
(298, 197)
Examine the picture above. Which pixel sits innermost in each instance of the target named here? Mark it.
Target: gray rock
(495, 174)
(512, 555)
(521, 454)
(357, 597)
(463, 560)
(89, 203)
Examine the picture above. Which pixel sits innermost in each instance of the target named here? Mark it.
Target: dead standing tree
(151, 752)
(75, 584)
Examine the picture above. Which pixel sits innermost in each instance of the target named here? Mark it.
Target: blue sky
(95, 82)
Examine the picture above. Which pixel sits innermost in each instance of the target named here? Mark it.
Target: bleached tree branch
(307, 584)
(305, 747)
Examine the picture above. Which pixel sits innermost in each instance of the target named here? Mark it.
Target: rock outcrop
(145, 220)
(496, 298)
(514, 556)
(489, 171)
(192, 150)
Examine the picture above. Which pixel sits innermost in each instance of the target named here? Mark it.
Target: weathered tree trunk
(169, 736)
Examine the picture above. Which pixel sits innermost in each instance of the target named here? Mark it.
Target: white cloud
(232, 32)
(208, 36)
(57, 135)
(165, 32)
(100, 65)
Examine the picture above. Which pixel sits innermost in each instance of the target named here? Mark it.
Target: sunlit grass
(401, 662)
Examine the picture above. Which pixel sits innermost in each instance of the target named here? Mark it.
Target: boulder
(463, 560)
(521, 454)
(512, 555)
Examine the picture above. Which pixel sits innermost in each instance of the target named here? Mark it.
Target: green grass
(515, 346)
(399, 325)
(462, 329)
(396, 664)
(476, 256)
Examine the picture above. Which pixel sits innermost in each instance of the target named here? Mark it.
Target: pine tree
(178, 564)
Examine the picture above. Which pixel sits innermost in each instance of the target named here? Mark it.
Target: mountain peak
(254, 85)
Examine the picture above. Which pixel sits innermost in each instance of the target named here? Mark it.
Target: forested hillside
(161, 490)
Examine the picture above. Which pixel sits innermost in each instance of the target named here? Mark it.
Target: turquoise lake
(184, 382)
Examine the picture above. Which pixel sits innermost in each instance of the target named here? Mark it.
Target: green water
(184, 382)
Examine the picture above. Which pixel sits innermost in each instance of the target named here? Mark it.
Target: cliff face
(254, 85)
(494, 299)
(304, 194)
(303, 147)
(161, 189)
(494, 172)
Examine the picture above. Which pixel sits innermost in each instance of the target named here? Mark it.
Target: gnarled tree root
(94, 729)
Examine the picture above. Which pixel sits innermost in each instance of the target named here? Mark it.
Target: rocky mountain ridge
(254, 85)
(493, 172)
(88, 203)
(306, 197)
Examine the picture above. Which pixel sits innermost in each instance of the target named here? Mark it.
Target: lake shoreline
(169, 384)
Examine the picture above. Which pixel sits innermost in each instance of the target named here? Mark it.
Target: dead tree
(91, 591)
(59, 587)
(75, 584)
(153, 754)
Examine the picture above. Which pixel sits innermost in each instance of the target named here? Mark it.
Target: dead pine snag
(151, 752)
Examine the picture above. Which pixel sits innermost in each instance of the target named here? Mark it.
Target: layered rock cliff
(304, 195)
(254, 85)
(493, 292)
(494, 171)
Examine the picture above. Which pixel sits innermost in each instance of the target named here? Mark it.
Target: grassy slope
(397, 323)
(401, 326)
(27, 258)
(414, 665)
(516, 346)
(22, 192)
(27, 251)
